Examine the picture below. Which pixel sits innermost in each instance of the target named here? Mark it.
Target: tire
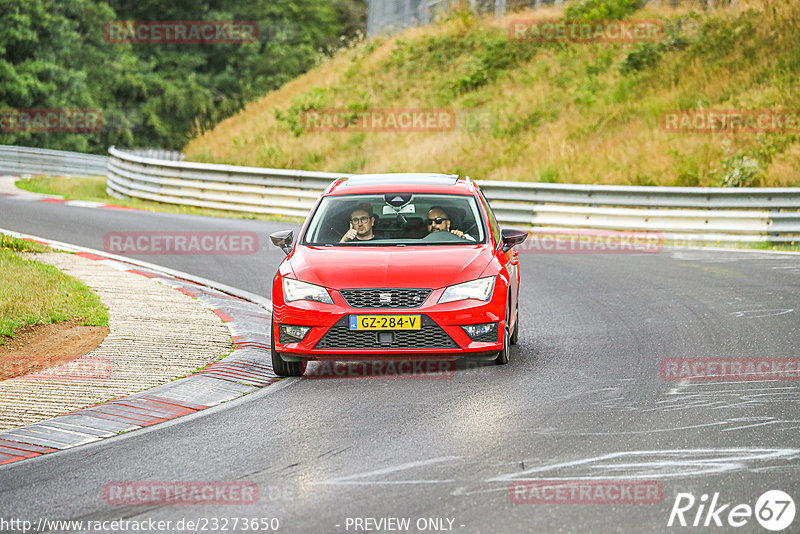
(515, 334)
(279, 366)
(502, 356)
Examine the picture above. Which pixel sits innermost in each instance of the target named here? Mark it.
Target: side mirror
(511, 238)
(283, 240)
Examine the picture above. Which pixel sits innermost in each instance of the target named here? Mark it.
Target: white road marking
(350, 479)
(757, 314)
(657, 464)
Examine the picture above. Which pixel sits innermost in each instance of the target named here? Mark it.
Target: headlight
(480, 289)
(297, 290)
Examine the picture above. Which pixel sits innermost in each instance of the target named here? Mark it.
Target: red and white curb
(247, 369)
(84, 204)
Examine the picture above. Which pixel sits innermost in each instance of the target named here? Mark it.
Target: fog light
(481, 332)
(292, 333)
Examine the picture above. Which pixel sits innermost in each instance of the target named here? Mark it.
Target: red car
(408, 266)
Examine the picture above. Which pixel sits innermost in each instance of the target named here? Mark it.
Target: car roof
(401, 182)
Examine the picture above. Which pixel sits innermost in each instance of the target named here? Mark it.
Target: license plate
(385, 322)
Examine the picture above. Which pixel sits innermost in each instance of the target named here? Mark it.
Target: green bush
(644, 56)
(317, 98)
(601, 9)
(494, 54)
(740, 171)
(54, 54)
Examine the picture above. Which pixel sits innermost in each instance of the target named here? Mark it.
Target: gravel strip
(156, 334)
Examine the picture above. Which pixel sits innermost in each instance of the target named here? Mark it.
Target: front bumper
(440, 335)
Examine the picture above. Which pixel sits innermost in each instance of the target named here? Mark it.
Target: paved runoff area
(161, 328)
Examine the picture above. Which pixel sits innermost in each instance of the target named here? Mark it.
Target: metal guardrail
(227, 187)
(693, 213)
(26, 160)
(761, 198)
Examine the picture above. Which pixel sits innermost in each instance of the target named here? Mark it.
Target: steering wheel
(472, 227)
(443, 236)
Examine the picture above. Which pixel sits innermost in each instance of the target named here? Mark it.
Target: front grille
(385, 297)
(429, 336)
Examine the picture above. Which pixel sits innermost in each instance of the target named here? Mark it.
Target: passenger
(439, 221)
(362, 219)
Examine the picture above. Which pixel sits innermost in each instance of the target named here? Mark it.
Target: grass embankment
(550, 112)
(94, 189)
(34, 293)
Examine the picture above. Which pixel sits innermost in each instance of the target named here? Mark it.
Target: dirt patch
(38, 347)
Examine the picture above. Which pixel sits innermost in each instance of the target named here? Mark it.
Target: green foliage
(69, 188)
(644, 56)
(356, 139)
(489, 53)
(687, 169)
(16, 244)
(739, 169)
(53, 54)
(647, 55)
(317, 98)
(36, 293)
(492, 53)
(721, 37)
(351, 16)
(576, 112)
(643, 179)
(601, 9)
(549, 175)
(770, 145)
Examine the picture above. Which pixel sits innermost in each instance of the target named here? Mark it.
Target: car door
(509, 259)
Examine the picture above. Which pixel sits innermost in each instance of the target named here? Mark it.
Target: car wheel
(515, 334)
(502, 356)
(280, 367)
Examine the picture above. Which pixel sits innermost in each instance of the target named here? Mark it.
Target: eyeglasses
(363, 219)
(437, 220)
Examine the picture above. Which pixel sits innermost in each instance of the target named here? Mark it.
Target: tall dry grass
(566, 114)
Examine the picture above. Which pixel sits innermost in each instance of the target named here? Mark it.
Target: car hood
(424, 267)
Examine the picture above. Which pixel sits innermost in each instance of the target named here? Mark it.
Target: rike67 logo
(774, 510)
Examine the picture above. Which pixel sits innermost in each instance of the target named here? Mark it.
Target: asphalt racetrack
(586, 397)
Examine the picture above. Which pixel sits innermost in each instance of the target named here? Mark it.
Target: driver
(439, 221)
(362, 219)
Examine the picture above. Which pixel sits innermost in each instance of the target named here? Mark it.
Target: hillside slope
(554, 112)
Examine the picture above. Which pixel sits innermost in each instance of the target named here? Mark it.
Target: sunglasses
(356, 220)
(437, 220)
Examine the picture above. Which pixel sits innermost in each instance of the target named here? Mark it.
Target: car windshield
(396, 219)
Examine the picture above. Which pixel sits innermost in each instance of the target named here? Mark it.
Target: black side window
(492, 220)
